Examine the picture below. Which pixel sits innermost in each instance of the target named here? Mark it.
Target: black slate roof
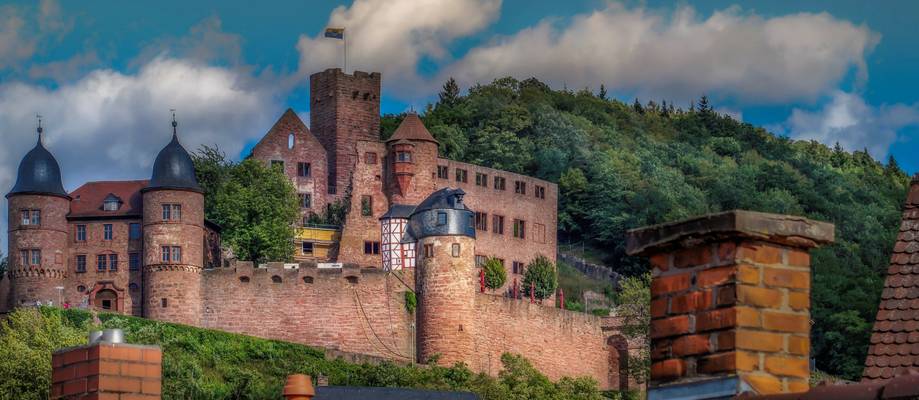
(443, 199)
(399, 211)
(173, 169)
(378, 393)
(39, 173)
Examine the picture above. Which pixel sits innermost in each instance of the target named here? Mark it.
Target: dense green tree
(4, 264)
(495, 274)
(449, 95)
(541, 277)
(602, 94)
(256, 205)
(620, 167)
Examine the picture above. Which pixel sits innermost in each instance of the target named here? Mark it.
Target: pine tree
(637, 107)
(704, 107)
(602, 94)
(893, 167)
(450, 94)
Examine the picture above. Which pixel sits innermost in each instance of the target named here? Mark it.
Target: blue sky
(105, 75)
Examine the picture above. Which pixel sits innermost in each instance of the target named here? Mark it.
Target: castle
(414, 222)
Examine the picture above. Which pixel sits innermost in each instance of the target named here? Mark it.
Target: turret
(173, 237)
(38, 207)
(445, 276)
(413, 162)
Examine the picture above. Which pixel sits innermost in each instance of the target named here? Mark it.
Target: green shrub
(411, 302)
(574, 305)
(541, 275)
(600, 312)
(495, 274)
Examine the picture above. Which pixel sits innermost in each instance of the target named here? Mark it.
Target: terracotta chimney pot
(299, 387)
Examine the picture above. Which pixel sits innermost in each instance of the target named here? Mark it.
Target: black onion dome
(39, 173)
(173, 169)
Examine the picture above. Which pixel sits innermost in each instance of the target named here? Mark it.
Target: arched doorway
(619, 361)
(106, 300)
(107, 297)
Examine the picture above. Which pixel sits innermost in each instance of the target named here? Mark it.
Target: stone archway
(105, 296)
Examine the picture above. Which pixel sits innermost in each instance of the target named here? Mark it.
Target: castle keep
(413, 222)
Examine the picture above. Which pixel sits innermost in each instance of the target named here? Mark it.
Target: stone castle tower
(344, 109)
(173, 237)
(413, 169)
(38, 207)
(445, 277)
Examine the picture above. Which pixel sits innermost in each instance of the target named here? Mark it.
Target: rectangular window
(539, 233)
(108, 232)
(518, 267)
(480, 260)
(81, 233)
(277, 164)
(366, 205)
(520, 187)
(134, 261)
(176, 254)
(172, 212)
(540, 192)
(307, 248)
(370, 158)
(306, 200)
(31, 217)
(519, 229)
(481, 179)
(481, 221)
(167, 212)
(36, 257)
(443, 172)
(101, 261)
(461, 175)
(81, 263)
(497, 224)
(403, 156)
(24, 257)
(441, 218)
(134, 231)
(455, 250)
(303, 169)
(113, 262)
(500, 183)
(166, 256)
(371, 247)
(428, 250)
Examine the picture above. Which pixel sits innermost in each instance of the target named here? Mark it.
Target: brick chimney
(107, 371)
(730, 303)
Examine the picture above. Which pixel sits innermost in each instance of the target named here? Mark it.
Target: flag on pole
(335, 33)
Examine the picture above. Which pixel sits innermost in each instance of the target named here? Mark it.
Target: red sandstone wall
(512, 206)
(38, 283)
(343, 110)
(91, 248)
(368, 180)
(4, 293)
(424, 167)
(559, 343)
(325, 310)
(274, 146)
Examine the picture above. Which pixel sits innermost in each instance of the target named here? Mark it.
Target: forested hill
(622, 166)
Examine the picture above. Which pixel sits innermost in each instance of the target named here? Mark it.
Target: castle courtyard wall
(349, 309)
(557, 342)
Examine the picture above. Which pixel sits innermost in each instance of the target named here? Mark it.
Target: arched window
(244, 279)
(290, 140)
(276, 279)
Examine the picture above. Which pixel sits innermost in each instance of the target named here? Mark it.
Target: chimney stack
(107, 370)
(730, 303)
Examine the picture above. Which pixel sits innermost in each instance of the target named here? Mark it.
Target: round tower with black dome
(173, 225)
(38, 207)
(445, 276)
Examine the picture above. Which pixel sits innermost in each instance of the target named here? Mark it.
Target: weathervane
(174, 123)
(38, 116)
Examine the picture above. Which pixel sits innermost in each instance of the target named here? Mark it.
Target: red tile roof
(87, 199)
(894, 344)
(903, 387)
(412, 128)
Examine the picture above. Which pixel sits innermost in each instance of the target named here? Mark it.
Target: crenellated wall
(348, 309)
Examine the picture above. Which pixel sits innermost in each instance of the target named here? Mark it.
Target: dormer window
(111, 203)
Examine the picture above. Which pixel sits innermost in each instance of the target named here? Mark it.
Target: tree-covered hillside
(622, 166)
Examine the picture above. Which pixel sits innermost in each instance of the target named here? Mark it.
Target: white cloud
(730, 54)
(393, 36)
(854, 124)
(15, 43)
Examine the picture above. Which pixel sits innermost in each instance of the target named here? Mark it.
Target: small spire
(174, 123)
(39, 129)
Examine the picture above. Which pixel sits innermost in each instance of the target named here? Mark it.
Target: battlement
(356, 74)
